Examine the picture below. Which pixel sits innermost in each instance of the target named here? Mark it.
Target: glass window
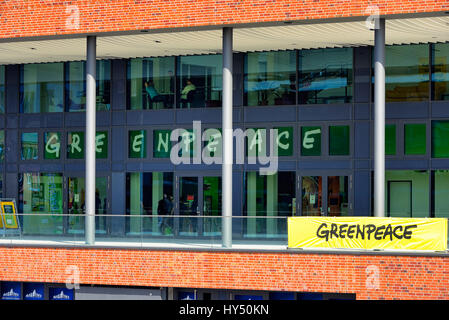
(415, 139)
(440, 71)
(312, 191)
(212, 205)
(41, 193)
(270, 78)
(151, 83)
(337, 196)
(42, 88)
(407, 193)
(311, 141)
(52, 142)
(285, 141)
(76, 85)
(268, 196)
(200, 81)
(29, 145)
(325, 76)
(2, 145)
(2, 89)
(161, 143)
(137, 147)
(149, 194)
(101, 145)
(441, 193)
(390, 139)
(339, 140)
(75, 145)
(406, 73)
(440, 139)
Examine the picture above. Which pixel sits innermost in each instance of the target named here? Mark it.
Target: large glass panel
(41, 194)
(42, 88)
(76, 85)
(269, 197)
(337, 196)
(339, 141)
(407, 73)
(415, 139)
(440, 71)
(440, 139)
(212, 205)
(148, 195)
(29, 146)
(52, 141)
(2, 89)
(200, 81)
(270, 78)
(151, 83)
(188, 205)
(310, 141)
(390, 139)
(325, 76)
(76, 204)
(137, 144)
(312, 188)
(407, 193)
(441, 193)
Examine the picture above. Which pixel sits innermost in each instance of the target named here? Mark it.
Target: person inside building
(187, 93)
(153, 95)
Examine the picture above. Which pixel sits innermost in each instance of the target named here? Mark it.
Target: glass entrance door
(198, 199)
(76, 196)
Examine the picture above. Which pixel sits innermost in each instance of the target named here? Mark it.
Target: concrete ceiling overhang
(246, 39)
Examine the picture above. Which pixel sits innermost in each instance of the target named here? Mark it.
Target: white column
(90, 138)
(227, 140)
(379, 118)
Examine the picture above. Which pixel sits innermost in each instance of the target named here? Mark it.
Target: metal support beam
(227, 140)
(379, 118)
(90, 138)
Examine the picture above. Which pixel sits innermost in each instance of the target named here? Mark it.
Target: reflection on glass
(268, 196)
(76, 85)
(337, 197)
(42, 87)
(312, 196)
(29, 146)
(270, 78)
(212, 205)
(440, 71)
(407, 193)
(199, 81)
(440, 141)
(325, 76)
(188, 205)
(148, 195)
(406, 73)
(151, 83)
(441, 193)
(41, 193)
(2, 89)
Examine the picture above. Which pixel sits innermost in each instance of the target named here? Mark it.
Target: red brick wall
(369, 276)
(26, 18)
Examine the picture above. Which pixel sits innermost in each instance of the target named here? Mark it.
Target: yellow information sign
(8, 211)
(368, 233)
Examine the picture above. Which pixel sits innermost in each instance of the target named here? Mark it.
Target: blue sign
(11, 291)
(247, 297)
(60, 294)
(33, 291)
(183, 295)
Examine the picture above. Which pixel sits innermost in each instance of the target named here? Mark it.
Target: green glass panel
(161, 143)
(52, 145)
(29, 146)
(75, 145)
(187, 143)
(285, 141)
(390, 139)
(212, 143)
(339, 140)
(256, 142)
(440, 139)
(101, 145)
(311, 141)
(415, 139)
(137, 144)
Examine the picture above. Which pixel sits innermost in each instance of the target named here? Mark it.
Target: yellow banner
(368, 233)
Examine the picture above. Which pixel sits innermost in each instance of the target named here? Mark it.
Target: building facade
(304, 71)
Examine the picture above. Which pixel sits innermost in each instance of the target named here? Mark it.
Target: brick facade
(368, 276)
(28, 18)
